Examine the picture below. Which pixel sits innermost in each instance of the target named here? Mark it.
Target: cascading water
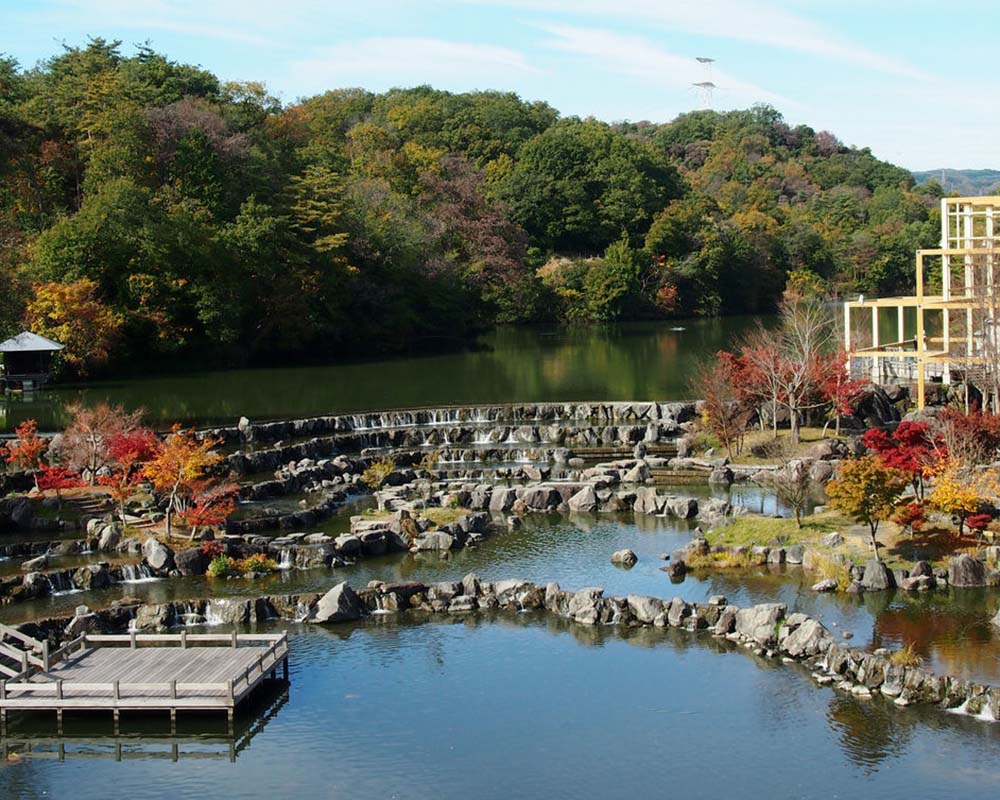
(61, 583)
(301, 611)
(212, 616)
(287, 558)
(137, 573)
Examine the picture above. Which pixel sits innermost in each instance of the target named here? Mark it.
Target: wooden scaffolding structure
(953, 318)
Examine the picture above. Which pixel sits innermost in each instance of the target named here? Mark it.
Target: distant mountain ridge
(964, 181)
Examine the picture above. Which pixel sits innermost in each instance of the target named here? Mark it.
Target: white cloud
(393, 61)
(744, 20)
(638, 57)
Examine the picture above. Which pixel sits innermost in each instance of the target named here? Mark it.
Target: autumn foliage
(911, 448)
(127, 452)
(178, 471)
(867, 490)
(27, 448)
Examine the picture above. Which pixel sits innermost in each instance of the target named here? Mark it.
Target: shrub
(257, 564)
(211, 549)
(840, 571)
(429, 461)
(222, 566)
(376, 473)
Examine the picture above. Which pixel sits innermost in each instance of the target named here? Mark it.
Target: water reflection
(640, 361)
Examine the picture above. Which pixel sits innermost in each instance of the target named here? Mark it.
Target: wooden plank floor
(144, 665)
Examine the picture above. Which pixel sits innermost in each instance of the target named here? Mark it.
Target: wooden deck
(139, 672)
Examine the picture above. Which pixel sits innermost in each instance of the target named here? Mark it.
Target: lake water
(641, 361)
(521, 706)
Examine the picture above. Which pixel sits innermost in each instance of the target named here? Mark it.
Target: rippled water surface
(522, 706)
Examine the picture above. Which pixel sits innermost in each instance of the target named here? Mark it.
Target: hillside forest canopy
(151, 213)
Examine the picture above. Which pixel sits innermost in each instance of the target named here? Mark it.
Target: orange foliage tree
(178, 470)
(867, 490)
(209, 504)
(72, 314)
(27, 448)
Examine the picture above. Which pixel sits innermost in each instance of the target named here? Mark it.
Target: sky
(911, 79)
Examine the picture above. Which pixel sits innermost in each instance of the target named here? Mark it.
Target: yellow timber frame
(968, 239)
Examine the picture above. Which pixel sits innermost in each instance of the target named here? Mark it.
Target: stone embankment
(766, 629)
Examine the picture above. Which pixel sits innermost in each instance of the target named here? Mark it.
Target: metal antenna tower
(706, 87)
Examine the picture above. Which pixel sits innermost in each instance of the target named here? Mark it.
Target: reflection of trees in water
(870, 731)
(951, 630)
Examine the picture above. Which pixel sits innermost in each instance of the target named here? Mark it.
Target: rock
(676, 569)
(434, 540)
(94, 525)
(682, 507)
(825, 585)
(502, 500)
(583, 606)
(966, 572)
(92, 576)
(794, 554)
(832, 540)
(110, 537)
(759, 623)
(159, 557)
(35, 564)
(877, 576)
(721, 476)
(584, 501)
(191, 561)
(153, 617)
(347, 544)
(340, 604)
(810, 638)
(625, 558)
(646, 609)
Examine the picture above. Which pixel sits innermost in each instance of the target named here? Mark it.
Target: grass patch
(439, 516)
(750, 529)
(907, 657)
(723, 560)
(828, 567)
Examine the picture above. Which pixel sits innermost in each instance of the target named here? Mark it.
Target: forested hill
(966, 182)
(148, 210)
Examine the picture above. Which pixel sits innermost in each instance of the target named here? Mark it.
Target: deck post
(59, 688)
(184, 640)
(24, 662)
(235, 640)
(115, 689)
(132, 642)
(173, 689)
(284, 667)
(229, 691)
(3, 689)
(45, 655)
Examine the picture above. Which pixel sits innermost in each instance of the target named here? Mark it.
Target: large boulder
(877, 577)
(153, 617)
(809, 638)
(965, 571)
(645, 608)
(760, 623)
(584, 501)
(434, 540)
(340, 604)
(159, 557)
(92, 576)
(191, 561)
(110, 536)
(584, 606)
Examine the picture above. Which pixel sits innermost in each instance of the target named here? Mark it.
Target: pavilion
(27, 361)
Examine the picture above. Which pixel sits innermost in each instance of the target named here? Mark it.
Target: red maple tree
(127, 452)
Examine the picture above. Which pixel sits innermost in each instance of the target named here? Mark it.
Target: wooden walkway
(138, 672)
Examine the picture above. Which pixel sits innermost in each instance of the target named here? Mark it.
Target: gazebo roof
(28, 342)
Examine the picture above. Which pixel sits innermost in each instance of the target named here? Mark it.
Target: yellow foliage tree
(867, 490)
(178, 467)
(960, 492)
(72, 314)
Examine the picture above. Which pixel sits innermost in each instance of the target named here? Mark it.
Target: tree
(867, 490)
(27, 448)
(209, 504)
(792, 486)
(911, 448)
(839, 388)
(727, 409)
(128, 451)
(806, 333)
(72, 314)
(960, 492)
(178, 469)
(57, 479)
(979, 523)
(910, 517)
(86, 441)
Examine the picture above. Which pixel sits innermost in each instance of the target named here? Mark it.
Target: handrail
(6, 630)
(178, 638)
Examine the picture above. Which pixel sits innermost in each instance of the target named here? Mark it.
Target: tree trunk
(798, 517)
(793, 413)
(774, 417)
(873, 529)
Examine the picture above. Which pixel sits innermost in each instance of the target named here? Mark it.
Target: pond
(521, 706)
(639, 361)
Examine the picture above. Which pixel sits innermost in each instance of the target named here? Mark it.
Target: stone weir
(767, 629)
(506, 415)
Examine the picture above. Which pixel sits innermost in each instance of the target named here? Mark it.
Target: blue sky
(877, 73)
